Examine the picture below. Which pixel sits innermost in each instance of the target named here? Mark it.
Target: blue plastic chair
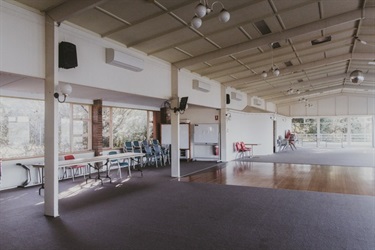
(119, 164)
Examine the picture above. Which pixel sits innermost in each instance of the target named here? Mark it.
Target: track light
(203, 9)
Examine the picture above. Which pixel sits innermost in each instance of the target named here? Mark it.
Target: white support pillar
(223, 125)
(51, 192)
(175, 125)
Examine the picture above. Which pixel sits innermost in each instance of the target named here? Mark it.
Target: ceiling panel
(235, 53)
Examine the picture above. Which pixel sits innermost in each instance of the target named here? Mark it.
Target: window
(74, 127)
(107, 127)
(21, 127)
(305, 128)
(335, 131)
(361, 130)
(121, 124)
(81, 127)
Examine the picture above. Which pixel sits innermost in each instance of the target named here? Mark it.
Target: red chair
(245, 149)
(74, 168)
(241, 149)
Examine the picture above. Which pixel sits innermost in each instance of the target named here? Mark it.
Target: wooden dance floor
(320, 178)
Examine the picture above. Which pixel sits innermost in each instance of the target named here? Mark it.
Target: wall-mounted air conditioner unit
(201, 86)
(258, 102)
(236, 96)
(124, 60)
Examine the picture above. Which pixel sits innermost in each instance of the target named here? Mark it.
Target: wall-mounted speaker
(67, 55)
(228, 99)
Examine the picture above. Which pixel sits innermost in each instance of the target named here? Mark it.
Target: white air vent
(257, 102)
(236, 96)
(124, 60)
(201, 86)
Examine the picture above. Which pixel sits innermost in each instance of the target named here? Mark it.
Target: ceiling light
(357, 77)
(65, 89)
(203, 9)
(321, 40)
(274, 69)
(224, 16)
(364, 42)
(200, 10)
(292, 91)
(196, 22)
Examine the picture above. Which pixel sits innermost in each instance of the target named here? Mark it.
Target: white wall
(210, 99)
(21, 41)
(334, 106)
(93, 71)
(236, 104)
(249, 128)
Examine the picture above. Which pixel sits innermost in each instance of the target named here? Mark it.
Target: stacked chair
(155, 153)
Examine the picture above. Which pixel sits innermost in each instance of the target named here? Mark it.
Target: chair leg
(119, 169)
(72, 171)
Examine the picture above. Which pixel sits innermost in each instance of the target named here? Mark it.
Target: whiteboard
(206, 133)
(166, 134)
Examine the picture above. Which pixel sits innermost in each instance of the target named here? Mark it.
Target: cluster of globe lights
(202, 10)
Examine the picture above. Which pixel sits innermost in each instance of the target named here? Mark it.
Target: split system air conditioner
(201, 86)
(123, 60)
(257, 102)
(236, 96)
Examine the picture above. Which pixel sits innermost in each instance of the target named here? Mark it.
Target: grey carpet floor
(157, 212)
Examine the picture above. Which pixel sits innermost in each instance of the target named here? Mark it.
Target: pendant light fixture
(274, 69)
(204, 8)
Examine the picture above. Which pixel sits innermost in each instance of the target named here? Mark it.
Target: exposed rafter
(71, 8)
(300, 30)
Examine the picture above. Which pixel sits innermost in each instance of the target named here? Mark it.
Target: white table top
(93, 159)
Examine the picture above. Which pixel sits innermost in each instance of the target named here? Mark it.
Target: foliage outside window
(121, 124)
(361, 129)
(22, 128)
(81, 127)
(340, 130)
(305, 128)
(107, 127)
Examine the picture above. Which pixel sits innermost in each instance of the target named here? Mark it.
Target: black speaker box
(228, 99)
(67, 55)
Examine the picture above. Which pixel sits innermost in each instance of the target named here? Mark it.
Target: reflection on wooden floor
(333, 179)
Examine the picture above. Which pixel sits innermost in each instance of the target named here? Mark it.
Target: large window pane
(64, 128)
(81, 127)
(21, 128)
(106, 118)
(128, 124)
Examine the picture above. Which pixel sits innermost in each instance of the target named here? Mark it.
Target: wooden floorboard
(319, 178)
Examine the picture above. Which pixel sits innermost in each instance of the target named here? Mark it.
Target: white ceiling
(235, 53)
